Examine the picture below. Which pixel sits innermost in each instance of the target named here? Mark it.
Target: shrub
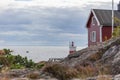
(95, 57)
(61, 72)
(7, 51)
(30, 64)
(116, 32)
(86, 71)
(39, 66)
(104, 70)
(16, 62)
(16, 66)
(3, 61)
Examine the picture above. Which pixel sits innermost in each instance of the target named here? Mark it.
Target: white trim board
(95, 17)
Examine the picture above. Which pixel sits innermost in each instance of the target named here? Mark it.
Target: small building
(99, 25)
(72, 48)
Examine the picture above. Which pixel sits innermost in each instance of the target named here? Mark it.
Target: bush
(86, 71)
(16, 62)
(16, 66)
(39, 66)
(104, 70)
(30, 64)
(116, 32)
(33, 76)
(7, 51)
(3, 61)
(61, 72)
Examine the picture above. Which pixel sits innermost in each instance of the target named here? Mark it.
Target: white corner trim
(101, 33)
(95, 17)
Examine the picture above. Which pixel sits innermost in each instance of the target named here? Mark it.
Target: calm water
(40, 53)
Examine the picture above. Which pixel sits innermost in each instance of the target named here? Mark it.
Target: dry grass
(104, 77)
(4, 78)
(33, 75)
(104, 71)
(87, 71)
(4, 71)
(61, 72)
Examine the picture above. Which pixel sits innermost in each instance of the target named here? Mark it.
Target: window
(93, 20)
(93, 36)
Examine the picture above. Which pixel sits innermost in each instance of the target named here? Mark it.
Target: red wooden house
(99, 25)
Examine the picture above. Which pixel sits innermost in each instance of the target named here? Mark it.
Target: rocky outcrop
(25, 74)
(105, 54)
(93, 61)
(19, 72)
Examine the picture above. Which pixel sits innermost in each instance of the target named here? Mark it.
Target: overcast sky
(46, 22)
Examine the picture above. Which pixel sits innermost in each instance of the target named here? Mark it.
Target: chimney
(119, 6)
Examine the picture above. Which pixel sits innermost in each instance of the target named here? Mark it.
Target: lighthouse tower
(72, 48)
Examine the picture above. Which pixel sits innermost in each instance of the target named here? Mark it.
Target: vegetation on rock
(89, 62)
(60, 71)
(116, 32)
(17, 61)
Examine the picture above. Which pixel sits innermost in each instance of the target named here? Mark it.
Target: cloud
(23, 0)
(43, 22)
(5, 4)
(40, 24)
(17, 33)
(73, 35)
(2, 41)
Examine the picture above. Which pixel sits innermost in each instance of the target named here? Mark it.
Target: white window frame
(93, 36)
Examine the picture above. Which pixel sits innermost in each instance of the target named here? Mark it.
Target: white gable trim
(95, 17)
(92, 11)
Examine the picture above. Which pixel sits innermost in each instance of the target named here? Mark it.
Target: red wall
(93, 28)
(106, 31)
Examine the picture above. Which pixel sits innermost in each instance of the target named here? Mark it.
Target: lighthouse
(72, 47)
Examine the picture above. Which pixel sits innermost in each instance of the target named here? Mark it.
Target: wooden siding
(106, 32)
(91, 28)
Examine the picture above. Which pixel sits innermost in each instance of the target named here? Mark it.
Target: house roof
(104, 17)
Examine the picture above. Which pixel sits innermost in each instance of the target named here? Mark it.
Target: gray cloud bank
(45, 25)
(41, 26)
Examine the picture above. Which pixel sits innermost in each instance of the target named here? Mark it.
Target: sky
(47, 22)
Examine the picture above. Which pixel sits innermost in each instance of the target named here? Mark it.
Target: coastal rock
(25, 74)
(111, 52)
(18, 72)
(20, 79)
(107, 54)
(99, 59)
(117, 56)
(79, 57)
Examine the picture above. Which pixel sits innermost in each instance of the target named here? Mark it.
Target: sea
(40, 53)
